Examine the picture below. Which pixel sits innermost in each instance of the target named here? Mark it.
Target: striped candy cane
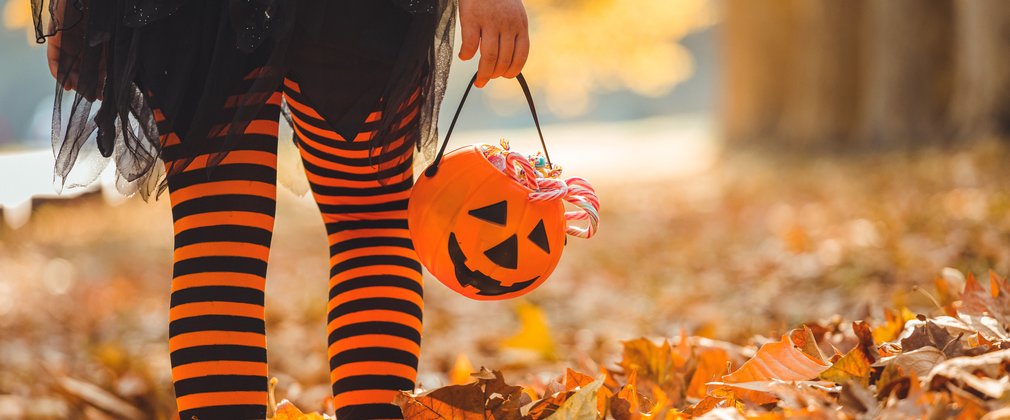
(575, 190)
(579, 193)
(526, 175)
(582, 195)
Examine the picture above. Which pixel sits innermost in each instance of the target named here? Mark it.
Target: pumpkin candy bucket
(490, 223)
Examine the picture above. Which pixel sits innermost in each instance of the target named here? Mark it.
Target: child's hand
(500, 29)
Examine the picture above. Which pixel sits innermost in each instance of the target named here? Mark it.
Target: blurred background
(760, 164)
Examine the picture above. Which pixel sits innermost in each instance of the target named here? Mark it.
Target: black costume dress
(186, 55)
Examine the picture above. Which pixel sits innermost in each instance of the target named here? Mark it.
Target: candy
(539, 175)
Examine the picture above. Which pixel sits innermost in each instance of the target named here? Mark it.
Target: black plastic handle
(433, 168)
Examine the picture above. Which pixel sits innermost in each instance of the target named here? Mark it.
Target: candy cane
(575, 190)
(528, 174)
(582, 195)
(549, 189)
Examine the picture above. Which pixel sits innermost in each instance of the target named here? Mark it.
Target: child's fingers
(506, 45)
(488, 56)
(522, 52)
(471, 40)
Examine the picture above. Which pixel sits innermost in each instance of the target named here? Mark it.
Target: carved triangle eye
(505, 254)
(539, 237)
(496, 213)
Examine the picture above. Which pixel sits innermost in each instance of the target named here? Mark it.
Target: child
(200, 86)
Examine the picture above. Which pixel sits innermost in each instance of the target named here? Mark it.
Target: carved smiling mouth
(486, 285)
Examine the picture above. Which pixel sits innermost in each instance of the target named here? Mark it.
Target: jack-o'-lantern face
(481, 235)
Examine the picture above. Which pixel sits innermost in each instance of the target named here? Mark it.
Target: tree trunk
(756, 39)
(909, 71)
(981, 105)
(822, 94)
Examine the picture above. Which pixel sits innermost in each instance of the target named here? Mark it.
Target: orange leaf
(575, 379)
(705, 405)
(711, 366)
(781, 360)
(661, 403)
(534, 334)
(461, 370)
(286, 410)
(894, 323)
(625, 404)
(656, 363)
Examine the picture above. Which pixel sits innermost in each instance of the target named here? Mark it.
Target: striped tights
(223, 228)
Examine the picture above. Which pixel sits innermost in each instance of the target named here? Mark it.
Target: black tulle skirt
(186, 58)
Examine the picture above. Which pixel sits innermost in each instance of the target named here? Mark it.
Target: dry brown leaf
(921, 360)
(978, 301)
(911, 402)
(503, 401)
(893, 381)
(986, 374)
(857, 399)
(484, 374)
(929, 334)
(780, 360)
(951, 324)
(986, 326)
(465, 402)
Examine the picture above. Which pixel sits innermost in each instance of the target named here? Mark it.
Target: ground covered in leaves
(764, 286)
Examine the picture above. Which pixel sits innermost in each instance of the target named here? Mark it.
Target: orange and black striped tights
(223, 226)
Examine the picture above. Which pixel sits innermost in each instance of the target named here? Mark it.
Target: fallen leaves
(489, 397)
(949, 365)
(778, 361)
(986, 374)
(855, 366)
(919, 361)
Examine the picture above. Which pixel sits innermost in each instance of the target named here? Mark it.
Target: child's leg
(223, 228)
(374, 321)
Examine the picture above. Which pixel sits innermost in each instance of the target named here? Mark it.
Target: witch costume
(186, 96)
